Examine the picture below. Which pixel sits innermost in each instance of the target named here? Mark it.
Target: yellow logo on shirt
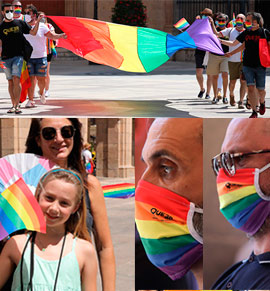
(14, 29)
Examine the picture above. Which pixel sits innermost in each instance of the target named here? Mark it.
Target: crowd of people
(240, 43)
(26, 37)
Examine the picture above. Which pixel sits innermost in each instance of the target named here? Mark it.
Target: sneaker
(200, 95)
(43, 98)
(232, 101)
(254, 114)
(18, 110)
(240, 105)
(225, 100)
(262, 108)
(207, 96)
(30, 104)
(47, 93)
(11, 110)
(215, 101)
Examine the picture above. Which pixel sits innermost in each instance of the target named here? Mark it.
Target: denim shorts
(255, 76)
(37, 67)
(13, 67)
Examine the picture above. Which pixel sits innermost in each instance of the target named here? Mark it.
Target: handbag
(27, 49)
(264, 52)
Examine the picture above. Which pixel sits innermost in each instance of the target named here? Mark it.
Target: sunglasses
(7, 11)
(18, 6)
(49, 133)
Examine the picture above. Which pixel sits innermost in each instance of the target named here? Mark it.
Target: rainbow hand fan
(19, 209)
(29, 167)
(19, 176)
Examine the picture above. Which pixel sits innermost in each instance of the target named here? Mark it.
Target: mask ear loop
(190, 225)
(256, 182)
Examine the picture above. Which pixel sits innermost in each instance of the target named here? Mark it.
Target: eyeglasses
(49, 133)
(7, 11)
(226, 161)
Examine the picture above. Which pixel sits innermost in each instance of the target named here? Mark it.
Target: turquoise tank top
(69, 277)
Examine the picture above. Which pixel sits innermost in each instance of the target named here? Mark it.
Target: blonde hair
(76, 223)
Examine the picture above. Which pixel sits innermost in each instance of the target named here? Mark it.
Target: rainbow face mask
(17, 10)
(221, 24)
(165, 223)
(242, 202)
(248, 25)
(239, 22)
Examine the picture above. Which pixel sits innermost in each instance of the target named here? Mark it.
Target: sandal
(11, 110)
(248, 105)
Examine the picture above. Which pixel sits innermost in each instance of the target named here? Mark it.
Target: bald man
(173, 176)
(243, 178)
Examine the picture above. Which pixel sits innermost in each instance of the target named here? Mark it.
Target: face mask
(27, 18)
(204, 16)
(239, 22)
(9, 15)
(248, 25)
(42, 20)
(242, 202)
(221, 24)
(18, 11)
(165, 223)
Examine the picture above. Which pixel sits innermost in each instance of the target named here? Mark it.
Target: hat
(207, 11)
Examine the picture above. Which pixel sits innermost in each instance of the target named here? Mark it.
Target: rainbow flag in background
(19, 209)
(182, 24)
(130, 48)
(124, 190)
(25, 82)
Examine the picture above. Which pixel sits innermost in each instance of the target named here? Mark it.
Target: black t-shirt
(224, 47)
(11, 34)
(251, 52)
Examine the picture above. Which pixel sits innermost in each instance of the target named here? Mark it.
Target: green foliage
(129, 12)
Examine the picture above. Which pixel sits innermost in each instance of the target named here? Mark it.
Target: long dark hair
(74, 159)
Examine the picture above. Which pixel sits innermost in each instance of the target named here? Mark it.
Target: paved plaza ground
(122, 226)
(79, 89)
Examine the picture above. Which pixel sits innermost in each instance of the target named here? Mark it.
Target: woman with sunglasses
(60, 140)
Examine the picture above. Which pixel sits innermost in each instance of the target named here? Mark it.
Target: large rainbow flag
(19, 209)
(131, 48)
(124, 190)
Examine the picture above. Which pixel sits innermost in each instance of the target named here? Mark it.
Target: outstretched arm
(229, 42)
(237, 50)
(102, 234)
(55, 36)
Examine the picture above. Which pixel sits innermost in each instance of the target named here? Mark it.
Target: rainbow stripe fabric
(163, 229)
(19, 210)
(2, 65)
(25, 82)
(239, 201)
(129, 48)
(123, 190)
(182, 24)
(248, 25)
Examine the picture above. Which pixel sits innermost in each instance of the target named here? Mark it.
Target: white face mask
(27, 18)
(9, 16)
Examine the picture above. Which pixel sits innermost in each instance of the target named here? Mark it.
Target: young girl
(63, 258)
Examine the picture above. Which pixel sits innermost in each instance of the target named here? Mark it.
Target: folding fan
(29, 167)
(19, 176)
